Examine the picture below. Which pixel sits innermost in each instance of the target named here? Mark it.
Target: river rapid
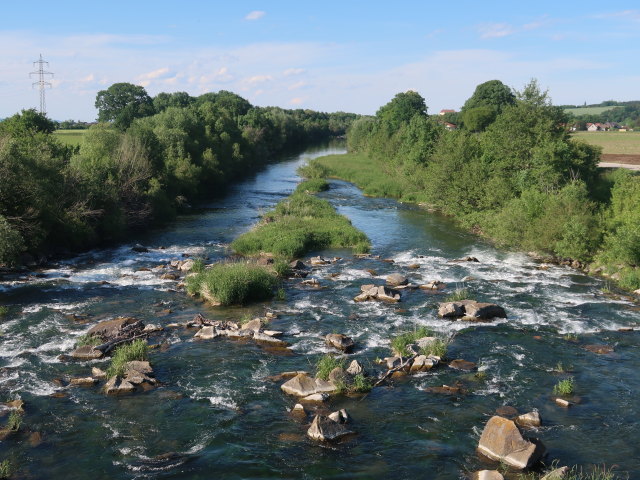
(215, 415)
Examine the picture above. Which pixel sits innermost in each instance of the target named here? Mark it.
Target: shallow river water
(216, 416)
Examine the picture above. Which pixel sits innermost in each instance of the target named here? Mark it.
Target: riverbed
(215, 414)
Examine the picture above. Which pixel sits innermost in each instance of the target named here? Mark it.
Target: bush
(14, 422)
(564, 387)
(326, 364)
(313, 169)
(136, 350)
(87, 339)
(361, 384)
(314, 185)
(233, 283)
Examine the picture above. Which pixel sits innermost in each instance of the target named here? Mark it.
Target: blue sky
(349, 55)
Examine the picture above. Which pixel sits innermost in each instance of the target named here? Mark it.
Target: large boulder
(118, 386)
(325, 429)
(109, 329)
(502, 441)
(303, 385)
(487, 475)
(471, 310)
(528, 420)
(396, 279)
(340, 341)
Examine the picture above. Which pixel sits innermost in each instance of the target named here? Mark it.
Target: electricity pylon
(42, 83)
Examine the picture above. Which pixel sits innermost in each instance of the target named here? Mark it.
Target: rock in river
(340, 341)
(302, 386)
(471, 310)
(324, 429)
(396, 279)
(502, 441)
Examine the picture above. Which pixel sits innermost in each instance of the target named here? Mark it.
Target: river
(215, 415)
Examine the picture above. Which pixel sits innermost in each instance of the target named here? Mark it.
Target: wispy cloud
(633, 15)
(293, 71)
(496, 30)
(255, 15)
(297, 85)
(296, 101)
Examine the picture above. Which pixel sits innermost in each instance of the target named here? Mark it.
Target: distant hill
(589, 110)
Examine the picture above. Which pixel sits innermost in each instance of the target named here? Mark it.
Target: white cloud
(296, 101)
(297, 85)
(256, 79)
(496, 30)
(255, 15)
(293, 71)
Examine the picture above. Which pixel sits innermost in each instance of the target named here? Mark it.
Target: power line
(42, 83)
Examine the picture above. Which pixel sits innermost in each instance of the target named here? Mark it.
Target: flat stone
(139, 366)
(110, 328)
(323, 429)
(83, 381)
(273, 333)
(254, 325)
(502, 441)
(423, 363)
(86, 352)
(528, 420)
(434, 285)
(484, 311)
(319, 261)
(302, 386)
(315, 398)
(487, 475)
(464, 365)
(269, 340)
(207, 333)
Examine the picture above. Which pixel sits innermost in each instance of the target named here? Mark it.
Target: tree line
(512, 173)
(145, 160)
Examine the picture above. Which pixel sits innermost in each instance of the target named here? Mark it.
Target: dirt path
(631, 162)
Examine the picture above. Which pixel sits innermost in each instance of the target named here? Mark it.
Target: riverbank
(216, 409)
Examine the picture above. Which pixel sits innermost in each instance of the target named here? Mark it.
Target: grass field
(613, 143)
(587, 110)
(70, 137)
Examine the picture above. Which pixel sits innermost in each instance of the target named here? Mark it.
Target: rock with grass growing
(303, 385)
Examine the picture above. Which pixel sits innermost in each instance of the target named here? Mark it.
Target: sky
(328, 55)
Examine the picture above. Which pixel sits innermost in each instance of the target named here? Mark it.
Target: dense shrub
(233, 283)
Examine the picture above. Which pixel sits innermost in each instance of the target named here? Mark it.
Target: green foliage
(11, 242)
(313, 169)
(28, 122)
(282, 268)
(326, 364)
(360, 384)
(3, 310)
(479, 118)
(402, 109)
(299, 224)
(122, 103)
(437, 348)
(136, 350)
(233, 283)
(6, 469)
(87, 339)
(198, 266)
(492, 94)
(281, 295)
(15, 421)
(564, 387)
(314, 185)
(400, 342)
(457, 295)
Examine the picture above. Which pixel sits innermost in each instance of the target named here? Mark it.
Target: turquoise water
(215, 415)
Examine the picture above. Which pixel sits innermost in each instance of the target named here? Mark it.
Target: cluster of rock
(138, 375)
(331, 427)
(340, 342)
(471, 310)
(319, 260)
(252, 330)
(112, 333)
(379, 293)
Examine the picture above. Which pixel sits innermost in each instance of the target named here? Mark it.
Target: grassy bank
(300, 224)
(612, 143)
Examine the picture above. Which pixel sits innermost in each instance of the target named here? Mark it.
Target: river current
(215, 414)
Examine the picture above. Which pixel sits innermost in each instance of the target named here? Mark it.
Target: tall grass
(313, 169)
(136, 350)
(233, 283)
(326, 364)
(314, 185)
(400, 343)
(565, 387)
(299, 224)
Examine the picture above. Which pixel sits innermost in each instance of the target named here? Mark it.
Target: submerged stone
(502, 441)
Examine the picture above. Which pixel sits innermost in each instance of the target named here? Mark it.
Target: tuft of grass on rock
(361, 384)
(14, 422)
(326, 364)
(437, 348)
(233, 283)
(3, 310)
(565, 387)
(136, 350)
(400, 343)
(87, 339)
(6, 469)
(457, 295)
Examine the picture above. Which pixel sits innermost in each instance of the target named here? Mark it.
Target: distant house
(444, 112)
(450, 126)
(596, 127)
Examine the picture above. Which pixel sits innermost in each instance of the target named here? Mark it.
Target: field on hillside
(70, 137)
(614, 143)
(588, 110)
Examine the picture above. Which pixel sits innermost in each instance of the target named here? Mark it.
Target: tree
(402, 108)
(486, 103)
(162, 101)
(122, 103)
(478, 118)
(27, 122)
